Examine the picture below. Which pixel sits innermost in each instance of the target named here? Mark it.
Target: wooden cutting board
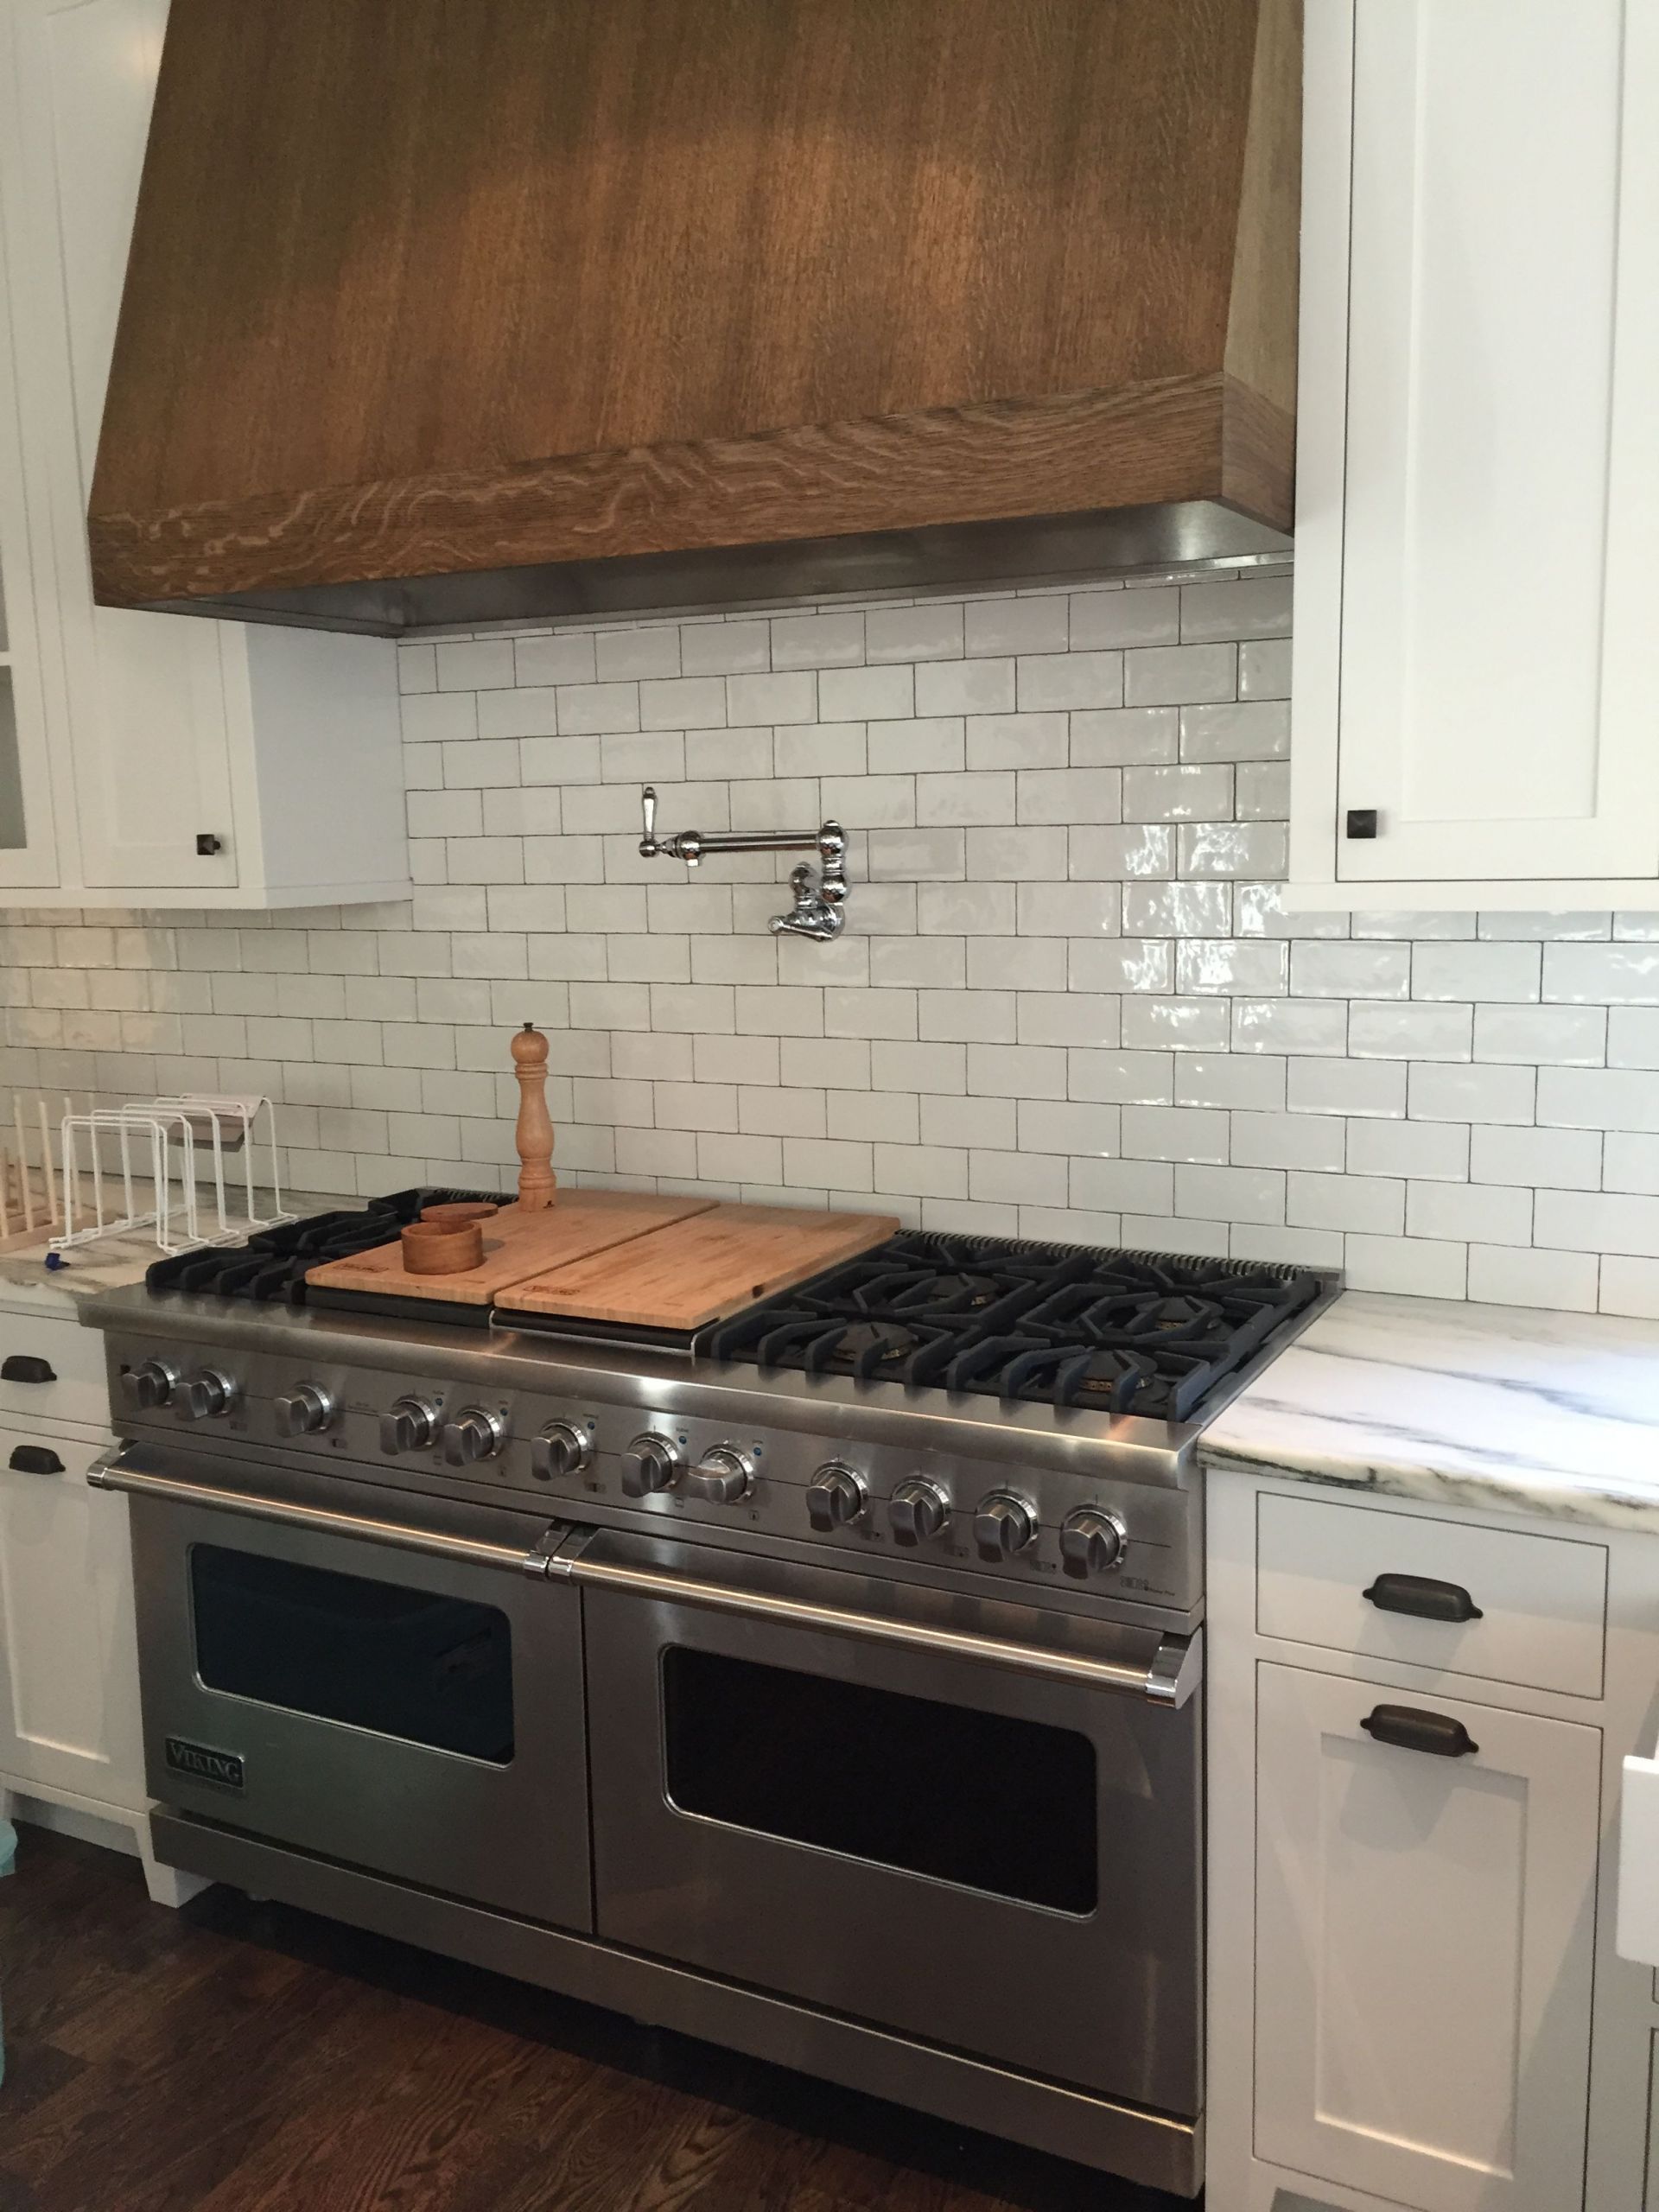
(516, 1244)
(700, 1269)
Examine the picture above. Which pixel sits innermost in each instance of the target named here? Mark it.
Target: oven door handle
(108, 1473)
(1169, 1678)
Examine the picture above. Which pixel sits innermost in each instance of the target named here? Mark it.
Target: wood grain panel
(523, 281)
(515, 1245)
(1069, 455)
(700, 1270)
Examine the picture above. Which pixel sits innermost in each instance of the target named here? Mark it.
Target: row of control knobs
(1092, 1540)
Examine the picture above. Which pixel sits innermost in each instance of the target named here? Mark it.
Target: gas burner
(1146, 1333)
(271, 1267)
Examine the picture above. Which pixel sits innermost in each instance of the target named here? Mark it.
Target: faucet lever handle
(648, 843)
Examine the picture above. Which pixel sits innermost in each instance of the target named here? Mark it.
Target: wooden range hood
(459, 310)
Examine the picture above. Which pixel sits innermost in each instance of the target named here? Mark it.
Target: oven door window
(399, 1662)
(989, 1801)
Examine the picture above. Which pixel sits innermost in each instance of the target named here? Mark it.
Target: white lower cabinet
(68, 1654)
(71, 1727)
(1418, 1718)
(1424, 1928)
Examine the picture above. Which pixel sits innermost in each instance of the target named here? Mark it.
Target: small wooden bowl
(430, 1249)
(456, 1213)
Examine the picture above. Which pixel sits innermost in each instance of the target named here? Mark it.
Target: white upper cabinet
(29, 845)
(1478, 463)
(203, 763)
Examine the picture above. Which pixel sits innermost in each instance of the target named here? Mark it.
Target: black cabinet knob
(26, 1367)
(207, 844)
(1362, 822)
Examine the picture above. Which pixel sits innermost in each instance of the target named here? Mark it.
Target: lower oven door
(833, 1786)
(378, 1678)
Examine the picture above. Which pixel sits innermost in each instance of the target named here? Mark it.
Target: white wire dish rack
(160, 1164)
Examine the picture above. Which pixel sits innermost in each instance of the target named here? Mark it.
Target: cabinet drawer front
(56, 1371)
(1540, 1601)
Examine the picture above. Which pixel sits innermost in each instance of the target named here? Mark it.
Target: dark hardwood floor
(244, 2057)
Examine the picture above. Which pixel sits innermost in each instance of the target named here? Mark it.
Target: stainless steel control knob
(474, 1433)
(150, 1383)
(408, 1425)
(918, 1511)
(1003, 1525)
(305, 1411)
(559, 1452)
(203, 1395)
(834, 1496)
(721, 1477)
(649, 1464)
(1092, 1540)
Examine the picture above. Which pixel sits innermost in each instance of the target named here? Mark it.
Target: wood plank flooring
(244, 2057)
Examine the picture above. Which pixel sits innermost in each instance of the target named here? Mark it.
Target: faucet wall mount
(819, 910)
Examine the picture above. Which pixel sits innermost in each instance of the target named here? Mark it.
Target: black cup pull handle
(26, 1367)
(34, 1459)
(1423, 1597)
(1409, 1729)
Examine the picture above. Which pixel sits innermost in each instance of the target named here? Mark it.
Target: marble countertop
(1499, 1408)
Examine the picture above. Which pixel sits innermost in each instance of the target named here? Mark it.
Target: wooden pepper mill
(537, 1183)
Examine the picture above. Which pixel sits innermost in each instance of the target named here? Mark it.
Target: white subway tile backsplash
(1566, 1159)
(1494, 972)
(1110, 618)
(1599, 1098)
(1418, 1032)
(1629, 1285)
(1017, 742)
(1264, 670)
(933, 630)
(1414, 1267)
(1502, 1274)
(1602, 975)
(1483, 1213)
(967, 686)
(1069, 1001)
(1243, 608)
(1016, 625)
(1227, 849)
(1180, 675)
(881, 693)
(1113, 737)
(1178, 794)
(725, 648)
(1064, 680)
(1423, 1151)
(1443, 1092)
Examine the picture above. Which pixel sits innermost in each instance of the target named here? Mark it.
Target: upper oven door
(984, 1856)
(308, 1676)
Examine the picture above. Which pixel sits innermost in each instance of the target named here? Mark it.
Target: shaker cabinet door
(144, 694)
(1476, 546)
(68, 1650)
(1424, 1934)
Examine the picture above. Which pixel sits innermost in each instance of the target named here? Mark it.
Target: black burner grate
(1107, 1331)
(271, 1267)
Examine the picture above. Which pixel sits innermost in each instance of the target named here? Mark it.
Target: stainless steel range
(829, 1687)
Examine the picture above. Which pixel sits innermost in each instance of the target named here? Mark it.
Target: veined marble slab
(1498, 1408)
